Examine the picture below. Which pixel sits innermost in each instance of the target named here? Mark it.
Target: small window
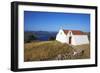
(61, 33)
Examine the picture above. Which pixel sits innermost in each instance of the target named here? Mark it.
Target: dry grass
(85, 48)
(46, 50)
(49, 50)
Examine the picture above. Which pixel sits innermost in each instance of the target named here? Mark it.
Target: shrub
(52, 38)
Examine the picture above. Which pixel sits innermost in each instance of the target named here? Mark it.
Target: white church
(72, 37)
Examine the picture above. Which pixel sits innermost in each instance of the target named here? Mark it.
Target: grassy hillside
(49, 50)
(85, 48)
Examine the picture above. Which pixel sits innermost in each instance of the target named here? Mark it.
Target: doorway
(70, 38)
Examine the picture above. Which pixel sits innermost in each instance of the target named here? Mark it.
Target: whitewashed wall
(80, 39)
(76, 39)
(61, 37)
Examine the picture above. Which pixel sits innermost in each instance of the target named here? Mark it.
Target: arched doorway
(70, 39)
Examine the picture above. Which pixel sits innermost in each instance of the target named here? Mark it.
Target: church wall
(80, 39)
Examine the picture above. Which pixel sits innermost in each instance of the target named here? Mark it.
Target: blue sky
(51, 21)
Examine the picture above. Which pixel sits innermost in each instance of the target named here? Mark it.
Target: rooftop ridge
(75, 32)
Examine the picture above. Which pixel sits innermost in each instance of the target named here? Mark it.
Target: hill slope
(50, 50)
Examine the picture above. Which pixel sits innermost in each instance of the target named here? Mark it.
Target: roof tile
(75, 32)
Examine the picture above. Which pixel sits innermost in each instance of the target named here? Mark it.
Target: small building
(72, 37)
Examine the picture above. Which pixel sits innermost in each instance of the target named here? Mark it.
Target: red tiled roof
(75, 32)
(65, 31)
